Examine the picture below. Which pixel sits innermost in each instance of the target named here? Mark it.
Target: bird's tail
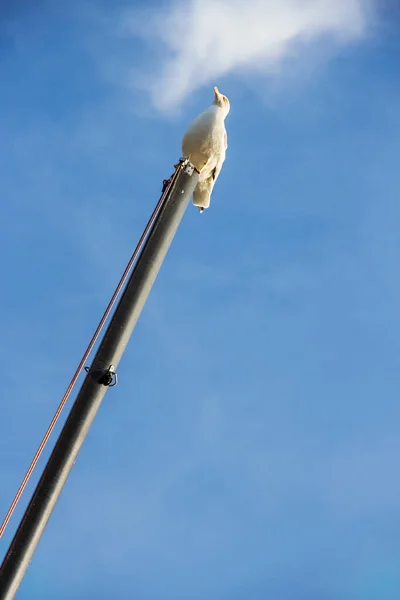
(202, 193)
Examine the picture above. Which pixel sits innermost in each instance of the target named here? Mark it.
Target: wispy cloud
(203, 40)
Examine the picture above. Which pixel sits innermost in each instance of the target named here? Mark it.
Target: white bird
(204, 144)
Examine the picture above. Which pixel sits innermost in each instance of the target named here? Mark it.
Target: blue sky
(250, 450)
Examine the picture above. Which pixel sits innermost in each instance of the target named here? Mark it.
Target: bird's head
(221, 101)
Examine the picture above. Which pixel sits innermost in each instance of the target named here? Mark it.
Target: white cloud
(203, 40)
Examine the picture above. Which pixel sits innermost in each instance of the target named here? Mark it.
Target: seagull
(204, 144)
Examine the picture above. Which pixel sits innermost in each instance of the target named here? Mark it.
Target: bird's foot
(200, 209)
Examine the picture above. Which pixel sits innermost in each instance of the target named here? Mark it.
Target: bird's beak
(216, 91)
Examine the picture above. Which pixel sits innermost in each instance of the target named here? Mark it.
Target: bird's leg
(204, 165)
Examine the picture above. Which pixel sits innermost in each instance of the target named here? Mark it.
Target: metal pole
(97, 381)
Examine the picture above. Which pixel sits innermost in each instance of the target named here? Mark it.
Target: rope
(166, 186)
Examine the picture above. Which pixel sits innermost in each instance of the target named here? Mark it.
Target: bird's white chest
(204, 140)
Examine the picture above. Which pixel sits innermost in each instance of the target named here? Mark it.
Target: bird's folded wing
(218, 167)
